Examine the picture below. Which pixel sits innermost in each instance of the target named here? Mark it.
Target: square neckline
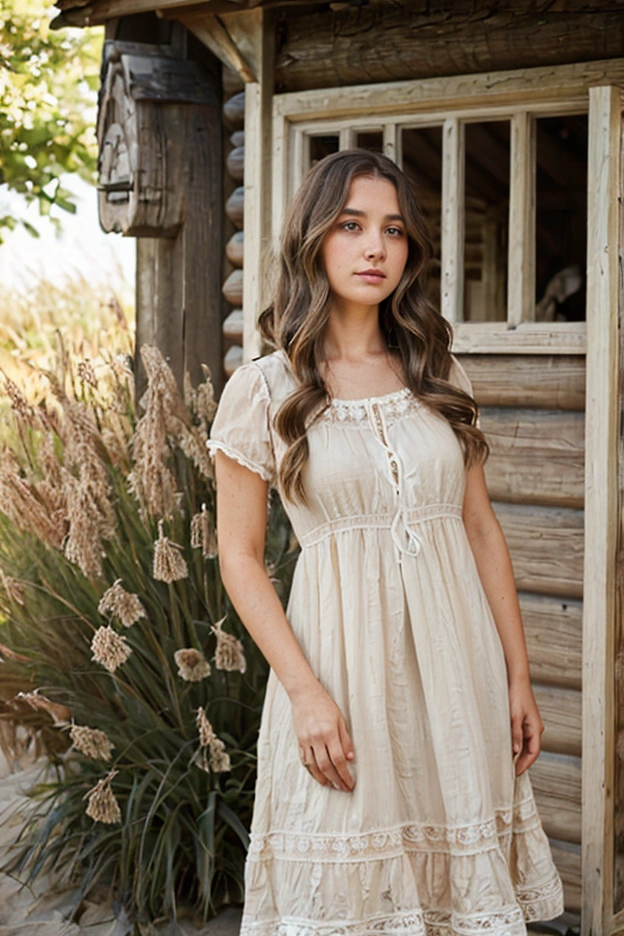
(392, 394)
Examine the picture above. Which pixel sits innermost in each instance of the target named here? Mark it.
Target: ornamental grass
(122, 657)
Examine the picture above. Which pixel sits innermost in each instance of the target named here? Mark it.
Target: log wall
(353, 44)
(531, 409)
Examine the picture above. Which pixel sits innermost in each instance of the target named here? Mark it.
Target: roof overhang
(96, 12)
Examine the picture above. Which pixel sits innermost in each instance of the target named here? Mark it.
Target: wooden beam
(561, 713)
(453, 205)
(546, 545)
(567, 857)
(215, 36)
(415, 40)
(556, 781)
(536, 456)
(260, 31)
(553, 629)
(527, 338)
(544, 382)
(521, 263)
(604, 196)
(562, 89)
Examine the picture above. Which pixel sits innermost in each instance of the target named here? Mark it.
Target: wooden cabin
(507, 115)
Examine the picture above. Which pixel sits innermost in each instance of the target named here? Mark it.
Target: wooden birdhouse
(140, 158)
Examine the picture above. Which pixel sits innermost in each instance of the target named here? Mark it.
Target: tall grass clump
(120, 652)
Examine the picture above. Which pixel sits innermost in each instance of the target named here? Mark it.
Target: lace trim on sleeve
(214, 444)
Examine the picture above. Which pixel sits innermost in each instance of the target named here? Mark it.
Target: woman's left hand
(526, 725)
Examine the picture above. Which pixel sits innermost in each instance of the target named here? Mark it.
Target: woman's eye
(395, 231)
(350, 226)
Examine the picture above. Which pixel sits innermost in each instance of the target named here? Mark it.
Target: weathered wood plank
(521, 275)
(556, 781)
(561, 713)
(553, 630)
(618, 824)
(544, 382)
(528, 338)
(562, 86)
(546, 545)
(567, 857)
(260, 47)
(453, 203)
(536, 456)
(601, 483)
(407, 41)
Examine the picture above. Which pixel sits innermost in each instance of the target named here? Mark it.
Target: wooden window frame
(519, 96)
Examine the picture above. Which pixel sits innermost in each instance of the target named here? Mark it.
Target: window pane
(486, 221)
(371, 140)
(561, 218)
(422, 163)
(322, 146)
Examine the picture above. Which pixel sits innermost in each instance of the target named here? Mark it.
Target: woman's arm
(325, 744)
(496, 573)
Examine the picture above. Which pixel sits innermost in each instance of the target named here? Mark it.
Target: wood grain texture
(556, 781)
(567, 857)
(453, 201)
(536, 456)
(601, 485)
(521, 275)
(553, 630)
(534, 338)
(538, 381)
(390, 41)
(546, 545)
(561, 713)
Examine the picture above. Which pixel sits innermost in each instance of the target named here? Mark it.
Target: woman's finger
(338, 759)
(530, 749)
(326, 766)
(313, 768)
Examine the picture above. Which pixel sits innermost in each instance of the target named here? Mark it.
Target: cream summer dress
(438, 837)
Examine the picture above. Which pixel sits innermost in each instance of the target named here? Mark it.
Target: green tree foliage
(48, 89)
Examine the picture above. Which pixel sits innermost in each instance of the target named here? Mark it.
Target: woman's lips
(371, 277)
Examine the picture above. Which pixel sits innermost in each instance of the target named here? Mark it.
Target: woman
(399, 720)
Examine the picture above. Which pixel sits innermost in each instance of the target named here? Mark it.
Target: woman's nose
(375, 247)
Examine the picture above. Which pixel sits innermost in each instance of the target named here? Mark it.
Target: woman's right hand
(325, 745)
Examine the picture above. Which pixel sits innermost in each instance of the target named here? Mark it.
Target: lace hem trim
(213, 444)
(387, 843)
(509, 921)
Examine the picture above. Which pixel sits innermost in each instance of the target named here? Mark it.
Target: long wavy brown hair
(296, 319)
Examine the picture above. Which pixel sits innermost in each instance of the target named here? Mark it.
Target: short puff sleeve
(460, 379)
(240, 427)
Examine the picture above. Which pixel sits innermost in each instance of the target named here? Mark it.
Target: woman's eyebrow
(362, 214)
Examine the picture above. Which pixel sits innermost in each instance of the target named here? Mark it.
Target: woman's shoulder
(275, 370)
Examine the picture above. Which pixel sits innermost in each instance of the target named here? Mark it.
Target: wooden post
(453, 212)
(258, 153)
(600, 506)
(521, 271)
(168, 115)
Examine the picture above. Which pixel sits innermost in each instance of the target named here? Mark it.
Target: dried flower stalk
(103, 805)
(169, 564)
(117, 602)
(203, 534)
(219, 760)
(229, 654)
(109, 648)
(192, 665)
(91, 742)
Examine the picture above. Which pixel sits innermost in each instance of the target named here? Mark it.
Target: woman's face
(365, 253)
